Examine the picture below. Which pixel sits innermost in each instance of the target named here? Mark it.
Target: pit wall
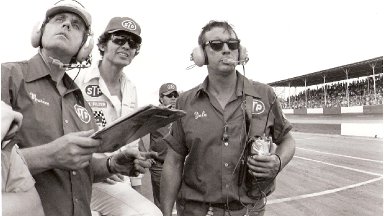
(374, 109)
(348, 129)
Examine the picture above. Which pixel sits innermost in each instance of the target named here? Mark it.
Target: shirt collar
(95, 74)
(241, 81)
(37, 68)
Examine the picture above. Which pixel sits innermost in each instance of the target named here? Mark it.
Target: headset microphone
(231, 61)
(71, 66)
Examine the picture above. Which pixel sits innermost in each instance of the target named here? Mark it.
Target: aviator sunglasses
(173, 94)
(217, 45)
(121, 40)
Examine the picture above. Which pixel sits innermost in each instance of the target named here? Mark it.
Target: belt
(232, 206)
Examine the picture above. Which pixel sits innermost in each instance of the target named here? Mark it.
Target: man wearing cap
(167, 98)
(210, 168)
(54, 136)
(111, 94)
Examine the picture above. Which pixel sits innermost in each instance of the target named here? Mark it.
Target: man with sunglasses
(111, 94)
(167, 98)
(207, 167)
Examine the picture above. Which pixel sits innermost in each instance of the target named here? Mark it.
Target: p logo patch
(258, 106)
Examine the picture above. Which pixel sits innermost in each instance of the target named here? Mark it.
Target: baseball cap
(124, 24)
(167, 88)
(70, 6)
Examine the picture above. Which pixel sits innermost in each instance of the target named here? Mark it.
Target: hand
(131, 162)
(264, 166)
(10, 121)
(114, 179)
(74, 150)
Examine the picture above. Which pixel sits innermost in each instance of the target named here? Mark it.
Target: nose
(67, 24)
(126, 45)
(226, 48)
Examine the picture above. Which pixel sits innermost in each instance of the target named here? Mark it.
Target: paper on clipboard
(131, 127)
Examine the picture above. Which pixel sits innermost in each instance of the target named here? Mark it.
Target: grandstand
(345, 100)
(329, 91)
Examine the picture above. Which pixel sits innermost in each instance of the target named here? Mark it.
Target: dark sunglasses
(173, 94)
(121, 40)
(217, 45)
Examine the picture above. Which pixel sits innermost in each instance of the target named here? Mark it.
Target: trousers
(121, 199)
(193, 208)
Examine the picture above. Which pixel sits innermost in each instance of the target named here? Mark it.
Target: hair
(212, 24)
(102, 41)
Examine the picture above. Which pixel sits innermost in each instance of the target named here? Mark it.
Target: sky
(283, 38)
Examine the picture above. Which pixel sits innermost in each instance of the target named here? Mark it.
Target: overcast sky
(283, 38)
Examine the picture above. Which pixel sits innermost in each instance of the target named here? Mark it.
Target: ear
(101, 47)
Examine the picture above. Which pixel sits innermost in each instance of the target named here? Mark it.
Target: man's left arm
(129, 162)
(268, 166)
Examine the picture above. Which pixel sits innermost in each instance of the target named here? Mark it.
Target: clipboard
(131, 127)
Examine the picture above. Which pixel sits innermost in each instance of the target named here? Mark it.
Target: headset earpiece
(36, 34)
(243, 55)
(198, 56)
(85, 50)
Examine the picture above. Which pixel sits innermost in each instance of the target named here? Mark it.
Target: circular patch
(129, 24)
(82, 113)
(258, 107)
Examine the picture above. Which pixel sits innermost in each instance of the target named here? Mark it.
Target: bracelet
(279, 162)
(109, 165)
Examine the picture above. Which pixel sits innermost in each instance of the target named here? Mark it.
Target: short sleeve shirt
(211, 166)
(29, 89)
(15, 175)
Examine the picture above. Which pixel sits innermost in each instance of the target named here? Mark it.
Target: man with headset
(111, 95)
(210, 166)
(54, 137)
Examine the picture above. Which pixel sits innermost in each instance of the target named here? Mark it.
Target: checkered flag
(100, 118)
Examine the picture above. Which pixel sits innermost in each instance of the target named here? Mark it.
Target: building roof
(355, 70)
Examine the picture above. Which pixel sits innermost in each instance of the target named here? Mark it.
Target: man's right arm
(170, 180)
(72, 151)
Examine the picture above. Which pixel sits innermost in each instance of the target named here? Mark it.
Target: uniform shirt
(29, 88)
(209, 173)
(15, 176)
(107, 108)
(158, 144)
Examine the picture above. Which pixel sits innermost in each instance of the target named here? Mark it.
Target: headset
(84, 51)
(199, 57)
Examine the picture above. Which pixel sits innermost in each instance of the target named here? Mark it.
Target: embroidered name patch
(38, 100)
(97, 104)
(82, 113)
(258, 106)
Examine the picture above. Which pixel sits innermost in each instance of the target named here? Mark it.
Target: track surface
(330, 175)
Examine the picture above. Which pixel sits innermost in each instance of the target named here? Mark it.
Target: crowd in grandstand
(360, 92)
